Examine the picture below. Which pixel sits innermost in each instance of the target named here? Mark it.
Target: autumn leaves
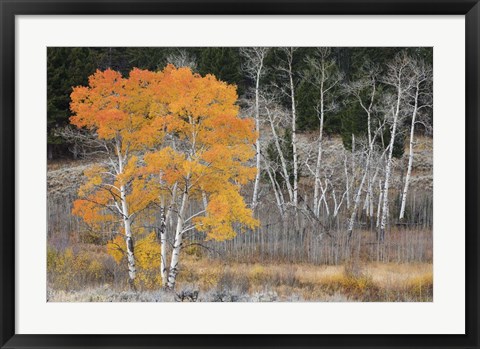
(175, 151)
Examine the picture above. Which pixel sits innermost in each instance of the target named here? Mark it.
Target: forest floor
(208, 280)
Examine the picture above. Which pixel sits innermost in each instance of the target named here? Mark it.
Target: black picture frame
(10, 8)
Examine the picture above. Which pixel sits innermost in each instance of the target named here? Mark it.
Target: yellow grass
(219, 281)
(365, 282)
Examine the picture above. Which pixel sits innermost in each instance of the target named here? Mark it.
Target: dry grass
(353, 282)
(241, 282)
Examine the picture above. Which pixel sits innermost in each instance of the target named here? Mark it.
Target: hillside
(65, 176)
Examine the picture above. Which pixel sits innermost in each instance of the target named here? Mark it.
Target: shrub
(68, 270)
(257, 274)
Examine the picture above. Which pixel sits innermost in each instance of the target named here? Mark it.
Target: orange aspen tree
(119, 113)
(202, 163)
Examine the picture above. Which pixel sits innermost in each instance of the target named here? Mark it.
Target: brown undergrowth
(215, 280)
(365, 282)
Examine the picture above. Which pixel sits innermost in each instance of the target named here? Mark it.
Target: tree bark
(356, 201)
(282, 157)
(132, 271)
(257, 142)
(379, 207)
(163, 246)
(388, 169)
(177, 244)
(278, 194)
(316, 193)
(294, 129)
(410, 154)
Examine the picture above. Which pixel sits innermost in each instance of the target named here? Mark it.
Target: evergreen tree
(224, 63)
(66, 67)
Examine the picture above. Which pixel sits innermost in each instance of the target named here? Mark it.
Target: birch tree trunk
(325, 76)
(294, 134)
(316, 193)
(347, 181)
(163, 246)
(352, 186)
(388, 170)
(256, 184)
(177, 243)
(379, 207)
(254, 66)
(132, 271)
(399, 79)
(323, 198)
(278, 193)
(287, 68)
(356, 201)
(410, 153)
(283, 162)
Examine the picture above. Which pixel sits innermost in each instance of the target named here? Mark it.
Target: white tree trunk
(388, 170)
(132, 271)
(369, 198)
(352, 187)
(316, 193)
(177, 244)
(323, 198)
(254, 58)
(282, 157)
(398, 72)
(371, 183)
(379, 207)
(278, 193)
(294, 137)
(347, 182)
(356, 200)
(410, 155)
(256, 184)
(163, 246)
(366, 174)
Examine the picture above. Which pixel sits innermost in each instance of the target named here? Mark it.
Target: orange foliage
(119, 108)
(122, 112)
(210, 154)
(164, 130)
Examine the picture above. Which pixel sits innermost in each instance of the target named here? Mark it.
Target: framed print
(264, 174)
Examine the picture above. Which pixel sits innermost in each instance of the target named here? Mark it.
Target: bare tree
(277, 190)
(82, 143)
(368, 153)
(277, 118)
(323, 74)
(181, 58)
(398, 78)
(254, 68)
(365, 92)
(421, 97)
(287, 68)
